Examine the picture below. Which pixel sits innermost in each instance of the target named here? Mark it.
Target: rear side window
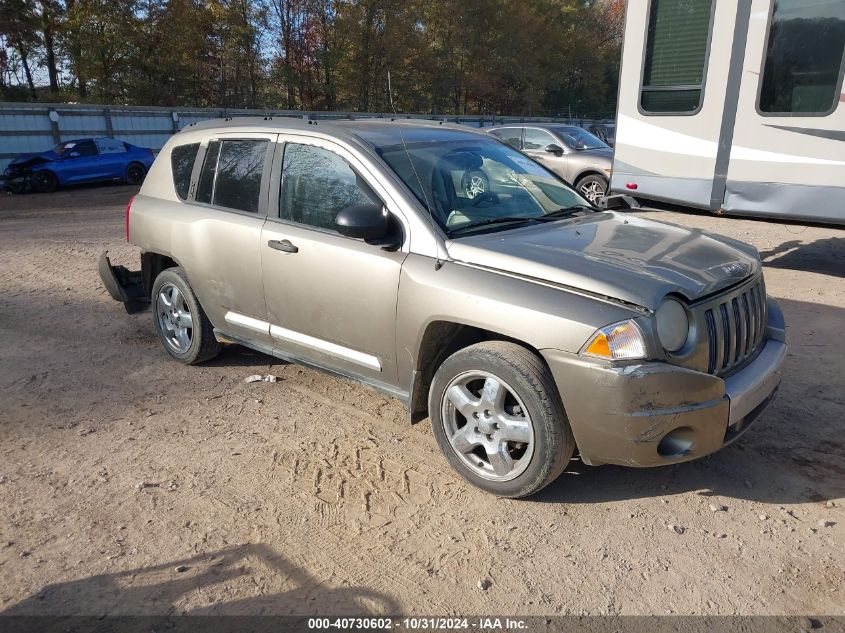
(239, 171)
(110, 146)
(317, 184)
(182, 163)
(676, 52)
(804, 57)
(509, 135)
(231, 174)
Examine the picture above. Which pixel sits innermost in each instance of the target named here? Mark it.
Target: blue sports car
(79, 161)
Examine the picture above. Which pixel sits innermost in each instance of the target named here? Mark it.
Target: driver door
(331, 300)
(534, 144)
(82, 163)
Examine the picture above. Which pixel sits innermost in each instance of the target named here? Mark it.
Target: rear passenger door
(228, 201)
(112, 157)
(331, 300)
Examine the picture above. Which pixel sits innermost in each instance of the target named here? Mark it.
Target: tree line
(523, 57)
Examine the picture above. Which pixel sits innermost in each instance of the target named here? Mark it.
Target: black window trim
(816, 115)
(262, 191)
(643, 88)
(275, 212)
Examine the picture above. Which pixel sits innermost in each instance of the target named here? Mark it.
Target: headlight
(619, 341)
(672, 324)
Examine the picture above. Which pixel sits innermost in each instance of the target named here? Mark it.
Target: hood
(49, 155)
(628, 258)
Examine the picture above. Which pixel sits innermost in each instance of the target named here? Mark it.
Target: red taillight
(128, 208)
(631, 185)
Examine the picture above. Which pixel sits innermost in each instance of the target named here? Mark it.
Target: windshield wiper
(570, 210)
(505, 219)
(559, 213)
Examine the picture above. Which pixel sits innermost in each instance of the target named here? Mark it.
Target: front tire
(593, 187)
(44, 181)
(498, 418)
(179, 320)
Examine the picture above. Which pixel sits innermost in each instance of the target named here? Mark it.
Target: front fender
(539, 315)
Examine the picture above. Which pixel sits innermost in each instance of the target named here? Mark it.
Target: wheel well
(440, 340)
(589, 172)
(151, 266)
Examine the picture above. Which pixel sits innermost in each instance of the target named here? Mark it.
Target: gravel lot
(131, 484)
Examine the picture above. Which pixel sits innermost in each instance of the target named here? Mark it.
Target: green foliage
(531, 57)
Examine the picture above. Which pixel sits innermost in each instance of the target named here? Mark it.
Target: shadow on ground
(824, 256)
(159, 590)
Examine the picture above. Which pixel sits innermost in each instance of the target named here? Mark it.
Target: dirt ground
(312, 495)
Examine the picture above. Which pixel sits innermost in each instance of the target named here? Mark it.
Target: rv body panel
(783, 165)
(728, 156)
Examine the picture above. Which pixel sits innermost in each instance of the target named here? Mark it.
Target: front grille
(736, 324)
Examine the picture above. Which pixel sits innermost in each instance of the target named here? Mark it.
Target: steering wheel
(485, 196)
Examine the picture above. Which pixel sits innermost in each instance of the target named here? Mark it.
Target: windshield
(470, 184)
(579, 139)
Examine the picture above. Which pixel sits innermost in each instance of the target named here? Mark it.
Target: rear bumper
(654, 413)
(123, 285)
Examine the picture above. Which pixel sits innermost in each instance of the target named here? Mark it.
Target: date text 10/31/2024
(421, 623)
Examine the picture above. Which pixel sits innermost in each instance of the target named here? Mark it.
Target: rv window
(676, 52)
(803, 67)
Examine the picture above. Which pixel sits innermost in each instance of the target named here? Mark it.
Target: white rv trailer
(734, 106)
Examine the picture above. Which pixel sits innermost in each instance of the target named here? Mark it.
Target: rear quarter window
(182, 163)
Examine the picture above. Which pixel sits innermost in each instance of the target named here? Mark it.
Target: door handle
(283, 245)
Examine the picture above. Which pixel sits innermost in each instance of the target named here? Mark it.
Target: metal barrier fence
(36, 127)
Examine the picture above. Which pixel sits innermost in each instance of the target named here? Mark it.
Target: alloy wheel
(592, 190)
(174, 318)
(475, 186)
(487, 425)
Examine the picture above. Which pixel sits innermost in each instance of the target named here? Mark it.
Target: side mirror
(363, 222)
(554, 148)
(73, 154)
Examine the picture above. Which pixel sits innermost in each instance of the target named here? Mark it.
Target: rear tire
(44, 181)
(498, 418)
(179, 320)
(593, 187)
(135, 173)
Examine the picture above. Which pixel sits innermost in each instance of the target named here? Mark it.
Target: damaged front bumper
(653, 413)
(15, 180)
(123, 285)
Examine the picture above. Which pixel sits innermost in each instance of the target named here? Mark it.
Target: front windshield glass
(579, 139)
(471, 185)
